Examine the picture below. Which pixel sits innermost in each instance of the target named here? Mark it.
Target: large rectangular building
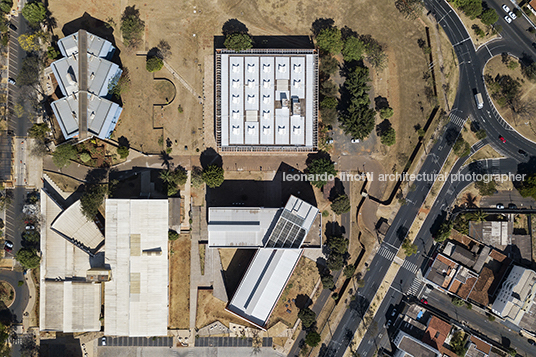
(136, 297)
(267, 100)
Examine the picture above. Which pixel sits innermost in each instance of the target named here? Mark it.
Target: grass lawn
(527, 128)
(179, 283)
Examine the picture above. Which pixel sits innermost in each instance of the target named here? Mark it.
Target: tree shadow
(96, 175)
(437, 223)
(317, 155)
(233, 26)
(337, 190)
(348, 32)
(123, 141)
(380, 103)
(166, 159)
(303, 301)
(383, 127)
(210, 157)
(155, 52)
(321, 24)
(451, 136)
(334, 229)
(401, 233)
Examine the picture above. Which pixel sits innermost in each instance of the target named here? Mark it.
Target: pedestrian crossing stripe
(410, 266)
(415, 287)
(456, 120)
(386, 253)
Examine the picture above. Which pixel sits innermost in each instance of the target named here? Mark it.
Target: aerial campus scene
(268, 178)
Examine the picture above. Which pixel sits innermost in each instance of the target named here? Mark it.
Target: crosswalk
(386, 253)
(478, 145)
(410, 266)
(495, 166)
(416, 287)
(456, 120)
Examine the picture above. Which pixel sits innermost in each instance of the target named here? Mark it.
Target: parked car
(13, 27)
(507, 19)
(506, 8)
(424, 301)
(355, 141)
(30, 227)
(8, 246)
(512, 15)
(523, 153)
(531, 342)
(502, 139)
(500, 206)
(512, 206)
(11, 81)
(103, 341)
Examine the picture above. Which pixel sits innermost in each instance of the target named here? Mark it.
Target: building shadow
(237, 268)
(279, 42)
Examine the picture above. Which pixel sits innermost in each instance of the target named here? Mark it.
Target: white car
(507, 19)
(103, 341)
(512, 15)
(355, 141)
(506, 8)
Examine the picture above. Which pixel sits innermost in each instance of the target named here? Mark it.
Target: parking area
(136, 341)
(230, 342)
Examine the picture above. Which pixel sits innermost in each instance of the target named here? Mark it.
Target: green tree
(409, 248)
(528, 187)
(479, 216)
(388, 137)
(39, 131)
(327, 281)
(63, 155)
(329, 40)
(341, 205)
(486, 188)
(481, 134)
(444, 231)
(6, 5)
(313, 338)
(92, 199)
(120, 85)
(307, 317)
(329, 103)
(337, 244)
(123, 152)
(386, 113)
(529, 71)
(320, 169)
(353, 49)
(328, 64)
(461, 147)
(154, 64)
(173, 235)
(28, 258)
(328, 115)
(132, 26)
(489, 17)
(34, 12)
(238, 42)
(213, 176)
(30, 71)
(52, 53)
(32, 237)
(458, 343)
(335, 262)
(478, 31)
(472, 8)
(349, 271)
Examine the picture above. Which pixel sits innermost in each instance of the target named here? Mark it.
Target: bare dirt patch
(527, 128)
(468, 23)
(296, 294)
(179, 282)
(7, 293)
(210, 309)
(65, 183)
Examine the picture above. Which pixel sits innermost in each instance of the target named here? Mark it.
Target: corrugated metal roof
(73, 224)
(131, 310)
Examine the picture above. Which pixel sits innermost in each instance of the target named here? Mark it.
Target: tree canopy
(409, 248)
(358, 118)
(461, 147)
(63, 155)
(213, 176)
(34, 12)
(471, 8)
(312, 338)
(238, 41)
(307, 317)
(92, 199)
(329, 40)
(321, 168)
(28, 258)
(528, 187)
(349, 271)
(341, 205)
(39, 131)
(353, 49)
(123, 152)
(29, 42)
(30, 71)
(489, 17)
(338, 244)
(6, 5)
(132, 26)
(327, 281)
(444, 231)
(328, 64)
(154, 64)
(388, 136)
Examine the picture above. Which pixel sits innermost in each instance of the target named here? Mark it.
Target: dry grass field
(179, 283)
(528, 92)
(211, 309)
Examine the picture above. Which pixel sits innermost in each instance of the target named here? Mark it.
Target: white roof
(136, 299)
(73, 224)
(95, 45)
(268, 84)
(239, 227)
(263, 284)
(65, 305)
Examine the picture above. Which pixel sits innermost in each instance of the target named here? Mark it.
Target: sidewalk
(29, 319)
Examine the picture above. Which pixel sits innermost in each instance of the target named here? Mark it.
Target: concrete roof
(268, 98)
(240, 227)
(414, 347)
(73, 224)
(95, 45)
(263, 284)
(136, 299)
(67, 302)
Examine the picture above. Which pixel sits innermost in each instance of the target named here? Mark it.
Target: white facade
(516, 295)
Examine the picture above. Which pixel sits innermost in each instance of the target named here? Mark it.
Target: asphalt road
(470, 83)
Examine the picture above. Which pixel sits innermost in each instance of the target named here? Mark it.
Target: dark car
(531, 342)
(512, 206)
(13, 27)
(8, 246)
(523, 153)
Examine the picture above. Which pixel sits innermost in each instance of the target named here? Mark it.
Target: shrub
(312, 338)
(491, 318)
(325, 213)
(123, 152)
(180, 109)
(386, 113)
(213, 176)
(63, 155)
(349, 271)
(457, 301)
(172, 235)
(154, 64)
(52, 53)
(85, 157)
(238, 42)
(329, 40)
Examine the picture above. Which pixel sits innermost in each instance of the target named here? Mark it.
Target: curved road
(406, 282)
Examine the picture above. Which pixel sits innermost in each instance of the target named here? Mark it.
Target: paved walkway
(29, 319)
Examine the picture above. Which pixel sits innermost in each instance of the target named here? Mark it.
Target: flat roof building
(267, 100)
(136, 297)
(69, 302)
(410, 346)
(85, 76)
(273, 265)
